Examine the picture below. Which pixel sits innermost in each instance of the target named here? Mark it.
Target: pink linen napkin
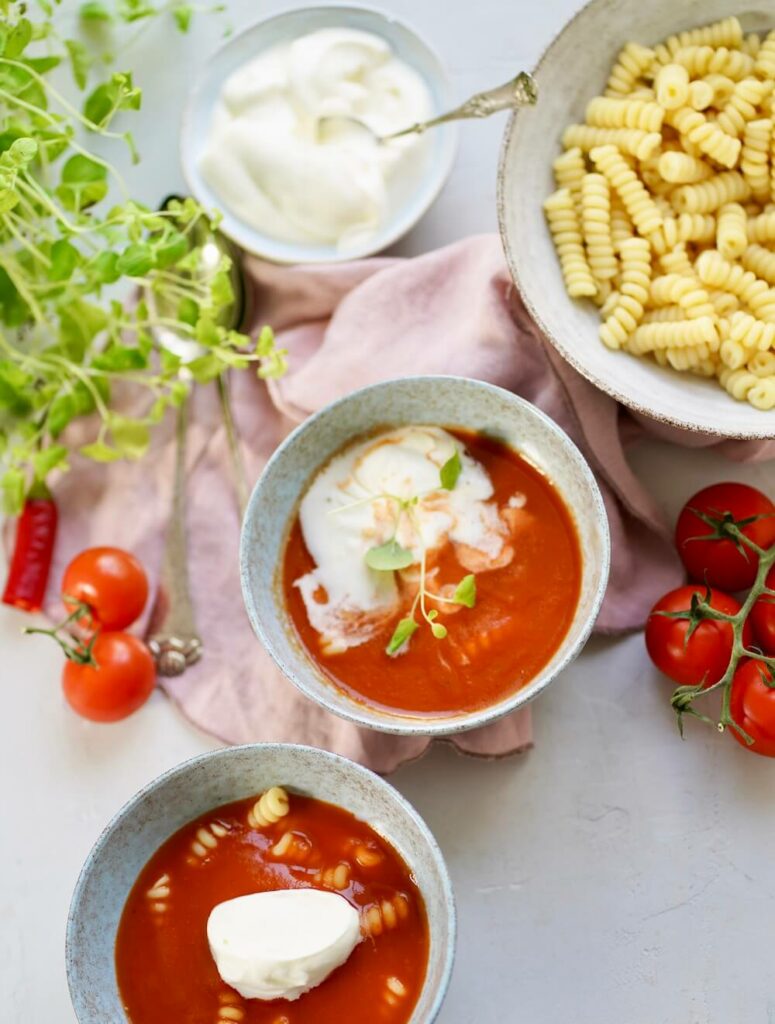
(453, 311)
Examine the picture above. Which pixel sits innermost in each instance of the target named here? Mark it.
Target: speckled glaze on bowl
(444, 401)
(573, 69)
(406, 44)
(219, 777)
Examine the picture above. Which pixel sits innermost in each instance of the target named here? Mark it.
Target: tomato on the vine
(705, 656)
(763, 618)
(719, 562)
(121, 681)
(752, 706)
(111, 582)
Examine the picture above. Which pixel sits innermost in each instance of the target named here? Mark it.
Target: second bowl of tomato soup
(266, 884)
(425, 555)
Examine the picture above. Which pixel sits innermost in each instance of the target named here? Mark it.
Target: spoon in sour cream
(520, 91)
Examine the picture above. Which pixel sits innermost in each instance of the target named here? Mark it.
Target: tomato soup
(164, 966)
(525, 596)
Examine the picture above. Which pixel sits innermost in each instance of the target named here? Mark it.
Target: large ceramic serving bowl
(573, 70)
(444, 401)
(219, 777)
(406, 44)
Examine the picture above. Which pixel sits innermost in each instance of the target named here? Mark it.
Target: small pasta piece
(335, 877)
(751, 44)
(637, 201)
(707, 135)
(673, 334)
(677, 261)
(700, 95)
(609, 112)
(685, 291)
(682, 169)
(395, 991)
(708, 196)
(721, 60)
(663, 314)
(621, 226)
(722, 87)
(596, 226)
(764, 67)
(731, 231)
(762, 364)
(724, 303)
(569, 170)
(755, 157)
(718, 272)
(566, 233)
(742, 106)
(160, 890)
(755, 335)
(745, 386)
(293, 847)
(760, 261)
(610, 304)
(206, 840)
(630, 140)
(230, 1009)
(632, 63)
(367, 855)
(633, 293)
(385, 915)
(672, 86)
(727, 33)
(269, 808)
(762, 227)
(697, 359)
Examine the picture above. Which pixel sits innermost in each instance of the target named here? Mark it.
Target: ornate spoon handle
(172, 634)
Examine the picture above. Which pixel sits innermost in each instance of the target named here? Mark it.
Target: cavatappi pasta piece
(746, 97)
(336, 876)
(395, 991)
(631, 190)
(681, 169)
(630, 140)
(596, 226)
(762, 227)
(206, 839)
(673, 334)
(731, 231)
(269, 808)
(683, 290)
(569, 170)
(760, 261)
(706, 135)
(565, 230)
(707, 196)
(293, 847)
(385, 915)
(609, 112)
(230, 1009)
(755, 157)
(633, 62)
(717, 272)
(672, 86)
(633, 293)
(746, 386)
(764, 67)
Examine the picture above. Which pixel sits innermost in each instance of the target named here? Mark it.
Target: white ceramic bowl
(219, 777)
(573, 69)
(444, 401)
(406, 44)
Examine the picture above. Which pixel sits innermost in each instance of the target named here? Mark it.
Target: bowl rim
(566, 351)
(306, 254)
(366, 774)
(365, 715)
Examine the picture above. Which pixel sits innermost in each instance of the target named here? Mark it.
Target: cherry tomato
(719, 563)
(706, 654)
(122, 681)
(763, 618)
(752, 706)
(111, 582)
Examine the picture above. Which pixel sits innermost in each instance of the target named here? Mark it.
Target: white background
(613, 875)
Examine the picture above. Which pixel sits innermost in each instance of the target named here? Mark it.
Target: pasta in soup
(431, 571)
(205, 879)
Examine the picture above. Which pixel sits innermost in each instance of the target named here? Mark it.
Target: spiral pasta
(294, 847)
(609, 112)
(731, 230)
(760, 261)
(706, 135)
(596, 226)
(631, 190)
(727, 33)
(764, 67)
(384, 915)
(746, 386)
(206, 839)
(230, 1010)
(680, 168)
(630, 140)
(569, 170)
(269, 808)
(633, 293)
(707, 196)
(633, 62)
(755, 156)
(566, 232)
(742, 106)
(709, 60)
(672, 86)
(761, 228)
(335, 877)
(718, 272)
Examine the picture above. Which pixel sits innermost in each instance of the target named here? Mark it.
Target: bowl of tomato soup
(181, 910)
(425, 555)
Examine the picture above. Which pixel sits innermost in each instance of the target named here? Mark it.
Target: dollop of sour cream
(351, 506)
(271, 165)
(279, 945)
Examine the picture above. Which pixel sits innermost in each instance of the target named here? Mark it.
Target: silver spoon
(518, 92)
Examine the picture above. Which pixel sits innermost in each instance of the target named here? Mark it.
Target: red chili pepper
(31, 561)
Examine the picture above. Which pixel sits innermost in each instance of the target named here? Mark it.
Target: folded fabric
(453, 311)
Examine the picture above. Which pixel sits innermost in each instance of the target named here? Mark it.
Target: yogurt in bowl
(271, 134)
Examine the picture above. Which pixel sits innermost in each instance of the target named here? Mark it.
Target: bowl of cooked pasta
(181, 911)
(637, 208)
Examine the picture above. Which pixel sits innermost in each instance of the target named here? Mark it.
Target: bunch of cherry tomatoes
(699, 653)
(108, 673)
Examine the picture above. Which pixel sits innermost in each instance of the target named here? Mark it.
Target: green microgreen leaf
(439, 631)
(389, 557)
(403, 632)
(182, 15)
(80, 61)
(465, 591)
(450, 471)
(93, 10)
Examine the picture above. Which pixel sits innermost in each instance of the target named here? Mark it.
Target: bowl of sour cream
(266, 137)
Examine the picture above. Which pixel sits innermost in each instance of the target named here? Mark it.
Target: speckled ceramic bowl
(573, 69)
(445, 401)
(219, 777)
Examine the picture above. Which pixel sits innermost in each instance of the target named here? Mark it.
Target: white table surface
(613, 875)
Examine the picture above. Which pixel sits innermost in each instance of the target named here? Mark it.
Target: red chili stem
(34, 545)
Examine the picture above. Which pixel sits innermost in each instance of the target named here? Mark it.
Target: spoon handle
(518, 92)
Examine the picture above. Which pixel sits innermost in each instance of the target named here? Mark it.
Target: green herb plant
(68, 346)
(683, 700)
(392, 556)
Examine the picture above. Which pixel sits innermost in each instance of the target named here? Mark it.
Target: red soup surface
(522, 612)
(163, 963)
